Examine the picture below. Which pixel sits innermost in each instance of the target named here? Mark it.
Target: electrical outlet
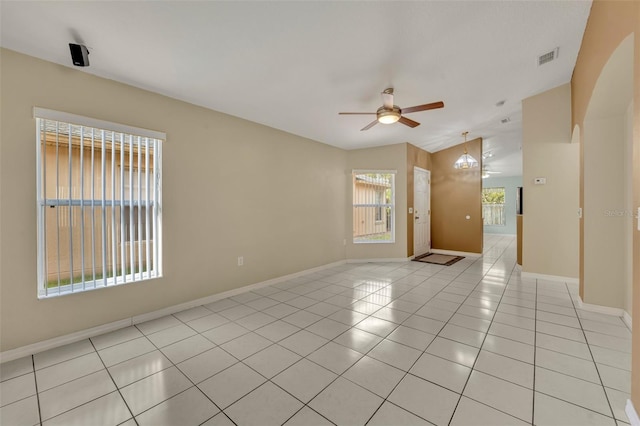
(240, 260)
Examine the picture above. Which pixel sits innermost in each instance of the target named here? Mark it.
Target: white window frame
(504, 205)
(139, 138)
(391, 205)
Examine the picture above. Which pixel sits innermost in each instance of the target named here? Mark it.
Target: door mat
(438, 259)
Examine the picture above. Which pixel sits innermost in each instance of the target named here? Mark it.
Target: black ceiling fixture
(79, 54)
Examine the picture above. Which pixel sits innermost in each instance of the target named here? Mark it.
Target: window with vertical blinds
(373, 206)
(99, 200)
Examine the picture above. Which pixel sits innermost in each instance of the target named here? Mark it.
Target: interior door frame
(428, 222)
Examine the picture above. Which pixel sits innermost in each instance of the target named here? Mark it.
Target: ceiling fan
(486, 172)
(389, 113)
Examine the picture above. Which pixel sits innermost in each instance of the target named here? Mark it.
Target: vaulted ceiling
(295, 65)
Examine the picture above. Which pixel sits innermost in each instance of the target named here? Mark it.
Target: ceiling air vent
(548, 57)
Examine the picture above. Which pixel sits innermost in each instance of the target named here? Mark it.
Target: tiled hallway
(375, 343)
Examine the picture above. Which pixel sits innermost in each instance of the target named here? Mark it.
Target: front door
(421, 211)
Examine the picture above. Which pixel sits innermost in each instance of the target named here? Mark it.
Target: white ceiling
(295, 65)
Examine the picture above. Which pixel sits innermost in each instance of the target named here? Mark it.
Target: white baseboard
(535, 276)
(457, 253)
(632, 414)
(380, 260)
(44, 345)
(599, 309)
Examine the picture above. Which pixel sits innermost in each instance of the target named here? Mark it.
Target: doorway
(421, 211)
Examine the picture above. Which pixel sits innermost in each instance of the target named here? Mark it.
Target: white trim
(380, 260)
(456, 253)
(66, 117)
(626, 318)
(599, 309)
(44, 345)
(535, 276)
(632, 414)
(365, 171)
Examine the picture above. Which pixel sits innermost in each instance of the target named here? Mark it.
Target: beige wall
(629, 216)
(231, 188)
(607, 149)
(416, 157)
(390, 157)
(550, 238)
(454, 195)
(603, 212)
(610, 22)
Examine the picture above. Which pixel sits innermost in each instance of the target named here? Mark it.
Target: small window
(493, 206)
(374, 207)
(99, 203)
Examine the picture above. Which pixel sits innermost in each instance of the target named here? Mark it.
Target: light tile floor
(374, 343)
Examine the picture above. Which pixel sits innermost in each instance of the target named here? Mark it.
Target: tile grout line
(595, 364)
(179, 370)
(480, 350)
(35, 380)
(274, 343)
(114, 384)
(535, 351)
(341, 375)
(406, 373)
(424, 351)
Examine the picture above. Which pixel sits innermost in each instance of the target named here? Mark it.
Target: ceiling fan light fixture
(388, 116)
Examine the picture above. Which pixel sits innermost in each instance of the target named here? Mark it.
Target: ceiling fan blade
(408, 122)
(356, 113)
(434, 105)
(387, 98)
(370, 125)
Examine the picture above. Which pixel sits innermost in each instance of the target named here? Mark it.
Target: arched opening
(606, 230)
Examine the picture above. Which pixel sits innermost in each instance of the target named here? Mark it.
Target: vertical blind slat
(146, 204)
(131, 230)
(93, 208)
(156, 164)
(103, 161)
(69, 189)
(114, 253)
(138, 226)
(41, 188)
(123, 241)
(58, 197)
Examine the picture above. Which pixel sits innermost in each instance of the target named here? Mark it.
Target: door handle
(417, 217)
